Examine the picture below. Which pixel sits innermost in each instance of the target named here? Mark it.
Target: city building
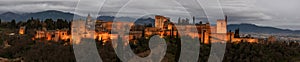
(205, 32)
(110, 31)
(160, 21)
(22, 30)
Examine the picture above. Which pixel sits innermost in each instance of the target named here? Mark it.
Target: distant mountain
(106, 18)
(146, 21)
(251, 28)
(54, 14)
(10, 16)
(140, 21)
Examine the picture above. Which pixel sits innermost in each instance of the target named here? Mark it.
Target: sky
(276, 13)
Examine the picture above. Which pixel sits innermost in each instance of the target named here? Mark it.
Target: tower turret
(222, 25)
(193, 19)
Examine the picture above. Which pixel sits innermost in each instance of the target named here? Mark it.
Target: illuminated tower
(159, 21)
(88, 19)
(222, 25)
(22, 30)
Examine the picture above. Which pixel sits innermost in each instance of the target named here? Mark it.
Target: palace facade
(108, 30)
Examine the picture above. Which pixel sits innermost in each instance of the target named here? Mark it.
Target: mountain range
(54, 14)
(251, 28)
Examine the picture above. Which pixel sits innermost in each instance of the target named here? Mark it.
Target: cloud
(243, 11)
(261, 12)
(134, 8)
(36, 5)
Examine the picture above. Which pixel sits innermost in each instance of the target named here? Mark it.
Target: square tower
(22, 30)
(159, 21)
(222, 26)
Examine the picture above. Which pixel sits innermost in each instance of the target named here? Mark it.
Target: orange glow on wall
(22, 30)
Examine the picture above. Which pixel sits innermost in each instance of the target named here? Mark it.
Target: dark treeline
(274, 52)
(32, 23)
(32, 51)
(36, 51)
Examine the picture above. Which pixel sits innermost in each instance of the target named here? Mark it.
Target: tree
(13, 24)
(50, 24)
(33, 24)
(60, 24)
(0, 21)
(19, 24)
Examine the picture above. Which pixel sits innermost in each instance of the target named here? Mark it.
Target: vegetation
(22, 46)
(37, 24)
(275, 52)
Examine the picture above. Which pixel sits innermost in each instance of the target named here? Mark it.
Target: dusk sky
(276, 13)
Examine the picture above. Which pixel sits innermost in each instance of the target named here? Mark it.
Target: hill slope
(8, 16)
(251, 28)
